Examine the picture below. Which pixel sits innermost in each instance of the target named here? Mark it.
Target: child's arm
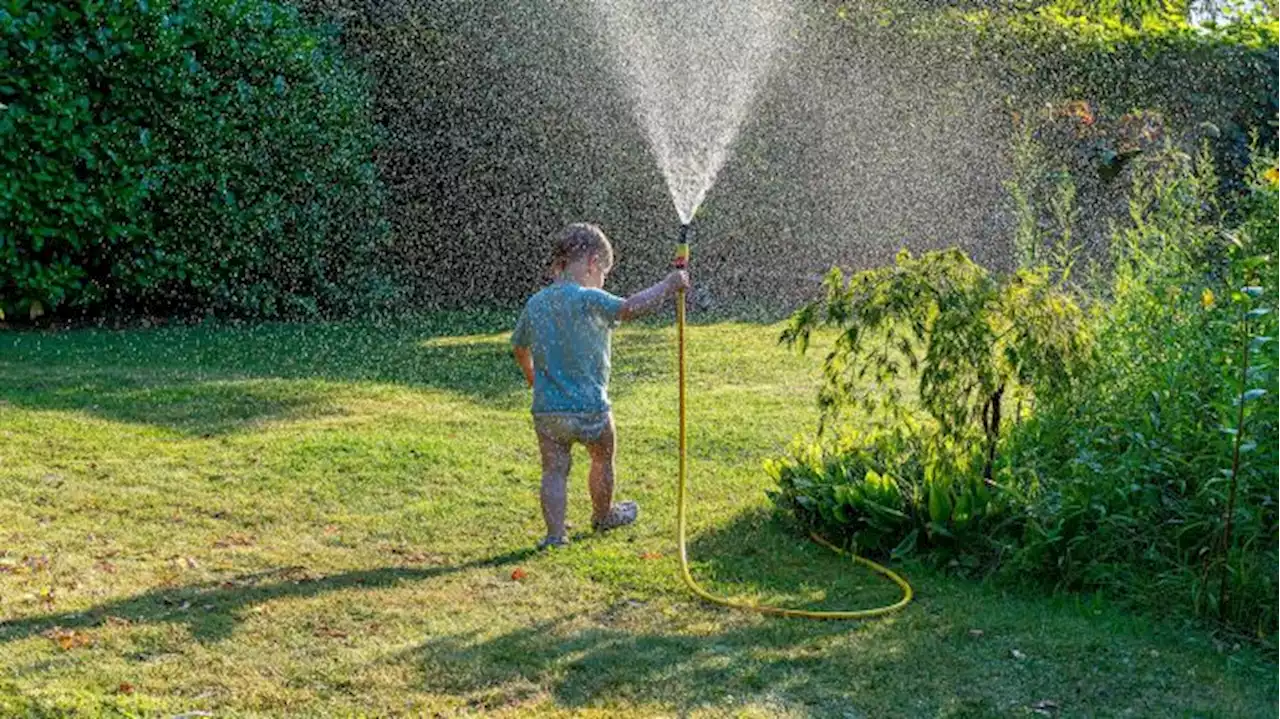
(524, 358)
(650, 299)
(521, 339)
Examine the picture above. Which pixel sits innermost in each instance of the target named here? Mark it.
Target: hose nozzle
(682, 249)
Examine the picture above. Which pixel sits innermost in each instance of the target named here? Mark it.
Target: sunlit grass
(324, 519)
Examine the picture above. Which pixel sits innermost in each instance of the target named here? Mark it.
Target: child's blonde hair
(580, 241)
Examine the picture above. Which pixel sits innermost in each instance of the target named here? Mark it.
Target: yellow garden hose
(682, 256)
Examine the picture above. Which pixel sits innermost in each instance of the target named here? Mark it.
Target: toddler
(562, 342)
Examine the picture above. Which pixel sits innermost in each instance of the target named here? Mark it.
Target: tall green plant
(971, 338)
(1246, 395)
(1154, 485)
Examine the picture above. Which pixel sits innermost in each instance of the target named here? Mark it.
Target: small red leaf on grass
(518, 574)
(651, 555)
(125, 688)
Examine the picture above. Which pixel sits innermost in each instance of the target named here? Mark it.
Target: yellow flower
(1206, 298)
(1272, 176)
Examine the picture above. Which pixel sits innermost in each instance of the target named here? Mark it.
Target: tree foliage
(210, 155)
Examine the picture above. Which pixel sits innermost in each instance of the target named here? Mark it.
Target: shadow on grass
(211, 610)
(760, 557)
(175, 400)
(215, 380)
(616, 654)
(591, 665)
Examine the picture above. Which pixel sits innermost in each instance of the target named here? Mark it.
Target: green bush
(1137, 466)
(1145, 462)
(925, 474)
(893, 491)
(1221, 78)
(187, 156)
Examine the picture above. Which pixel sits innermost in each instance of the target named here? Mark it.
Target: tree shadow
(616, 654)
(176, 401)
(211, 609)
(214, 380)
(586, 664)
(219, 379)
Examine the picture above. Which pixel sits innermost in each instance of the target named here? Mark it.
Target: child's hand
(677, 280)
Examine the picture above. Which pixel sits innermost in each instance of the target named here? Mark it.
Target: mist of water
(691, 68)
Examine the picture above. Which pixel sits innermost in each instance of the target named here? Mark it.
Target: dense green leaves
(976, 342)
(1138, 467)
(201, 155)
(1146, 467)
(973, 340)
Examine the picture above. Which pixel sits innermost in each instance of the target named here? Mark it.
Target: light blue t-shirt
(567, 328)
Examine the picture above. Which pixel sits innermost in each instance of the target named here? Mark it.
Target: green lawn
(290, 520)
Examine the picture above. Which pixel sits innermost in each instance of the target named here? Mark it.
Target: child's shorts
(568, 428)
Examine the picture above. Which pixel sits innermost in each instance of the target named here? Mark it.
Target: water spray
(692, 70)
(681, 262)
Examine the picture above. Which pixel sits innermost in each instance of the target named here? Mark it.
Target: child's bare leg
(556, 461)
(600, 481)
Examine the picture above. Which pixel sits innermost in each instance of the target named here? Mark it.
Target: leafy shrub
(975, 342)
(180, 156)
(1145, 464)
(1137, 467)
(893, 491)
(973, 339)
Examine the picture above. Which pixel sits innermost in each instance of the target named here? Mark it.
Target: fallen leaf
(518, 574)
(68, 639)
(191, 562)
(651, 555)
(125, 688)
